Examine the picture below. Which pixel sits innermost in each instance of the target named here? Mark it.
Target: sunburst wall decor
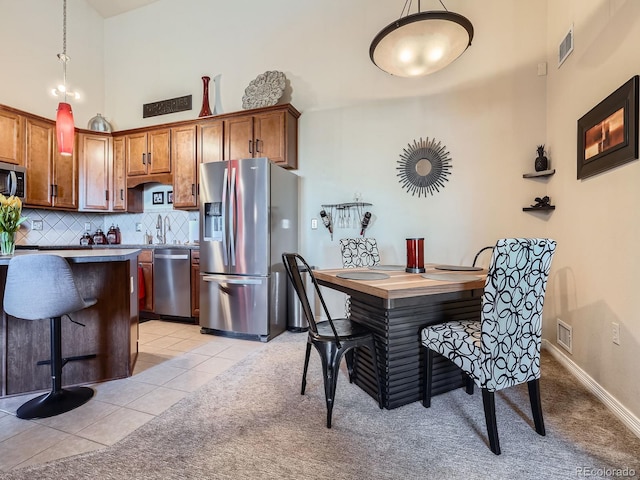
(423, 167)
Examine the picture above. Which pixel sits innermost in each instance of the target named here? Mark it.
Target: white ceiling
(111, 8)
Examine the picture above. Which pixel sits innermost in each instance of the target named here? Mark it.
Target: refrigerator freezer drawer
(235, 304)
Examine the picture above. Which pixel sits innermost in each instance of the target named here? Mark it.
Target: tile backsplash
(66, 228)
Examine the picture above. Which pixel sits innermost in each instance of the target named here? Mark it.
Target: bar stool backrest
(41, 286)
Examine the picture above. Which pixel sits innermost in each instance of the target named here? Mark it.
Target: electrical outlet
(314, 224)
(138, 227)
(87, 226)
(36, 225)
(615, 333)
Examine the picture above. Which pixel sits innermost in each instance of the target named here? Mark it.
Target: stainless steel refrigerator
(248, 218)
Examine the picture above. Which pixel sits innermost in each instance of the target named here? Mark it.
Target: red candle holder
(415, 255)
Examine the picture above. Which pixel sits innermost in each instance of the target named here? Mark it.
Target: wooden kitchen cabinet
(211, 141)
(145, 260)
(94, 151)
(119, 176)
(148, 154)
(191, 145)
(103, 175)
(185, 167)
(267, 132)
(195, 283)
(11, 136)
(52, 179)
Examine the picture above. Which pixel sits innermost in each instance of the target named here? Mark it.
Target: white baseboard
(619, 410)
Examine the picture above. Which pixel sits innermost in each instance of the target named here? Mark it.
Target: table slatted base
(400, 353)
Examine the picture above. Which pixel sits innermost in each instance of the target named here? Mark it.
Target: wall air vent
(565, 336)
(566, 47)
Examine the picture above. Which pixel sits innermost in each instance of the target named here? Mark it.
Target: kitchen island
(110, 328)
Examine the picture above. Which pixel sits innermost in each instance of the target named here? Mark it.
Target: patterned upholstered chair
(359, 252)
(502, 349)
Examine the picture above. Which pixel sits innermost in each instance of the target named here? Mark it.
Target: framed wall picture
(170, 197)
(608, 133)
(158, 198)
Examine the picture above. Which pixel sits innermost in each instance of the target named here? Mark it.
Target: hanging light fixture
(422, 43)
(65, 129)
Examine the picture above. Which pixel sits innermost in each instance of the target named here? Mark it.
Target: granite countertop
(151, 246)
(81, 255)
(189, 246)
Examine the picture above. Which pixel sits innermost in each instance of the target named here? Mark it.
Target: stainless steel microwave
(12, 180)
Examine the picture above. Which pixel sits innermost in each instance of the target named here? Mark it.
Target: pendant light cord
(407, 7)
(63, 56)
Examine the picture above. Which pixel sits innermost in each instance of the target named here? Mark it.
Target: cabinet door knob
(193, 189)
(149, 158)
(251, 146)
(144, 156)
(258, 145)
(122, 194)
(106, 195)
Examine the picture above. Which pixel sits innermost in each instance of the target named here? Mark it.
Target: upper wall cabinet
(52, 179)
(185, 167)
(148, 154)
(269, 132)
(211, 141)
(11, 135)
(95, 172)
(119, 202)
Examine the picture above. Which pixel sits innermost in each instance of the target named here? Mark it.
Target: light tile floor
(174, 359)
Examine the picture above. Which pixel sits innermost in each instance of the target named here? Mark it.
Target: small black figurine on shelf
(542, 202)
(542, 162)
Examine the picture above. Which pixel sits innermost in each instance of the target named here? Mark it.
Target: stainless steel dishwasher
(172, 282)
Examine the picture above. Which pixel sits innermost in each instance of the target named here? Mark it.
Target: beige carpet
(252, 423)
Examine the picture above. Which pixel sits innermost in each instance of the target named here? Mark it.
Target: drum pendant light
(65, 129)
(422, 43)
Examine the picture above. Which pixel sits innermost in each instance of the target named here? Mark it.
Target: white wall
(596, 271)
(31, 38)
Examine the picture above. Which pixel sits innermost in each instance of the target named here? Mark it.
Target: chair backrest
(359, 252)
(475, 259)
(293, 264)
(512, 310)
(40, 286)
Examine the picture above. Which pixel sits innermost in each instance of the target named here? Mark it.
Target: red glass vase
(205, 111)
(415, 255)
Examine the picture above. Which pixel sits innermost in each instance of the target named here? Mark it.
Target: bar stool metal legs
(58, 400)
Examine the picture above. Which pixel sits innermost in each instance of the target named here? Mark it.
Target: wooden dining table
(396, 309)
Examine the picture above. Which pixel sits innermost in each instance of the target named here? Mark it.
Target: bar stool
(38, 287)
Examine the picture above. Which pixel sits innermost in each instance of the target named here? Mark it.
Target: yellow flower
(10, 214)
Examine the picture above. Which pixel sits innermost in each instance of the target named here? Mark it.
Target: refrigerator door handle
(239, 281)
(232, 218)
(225, 248)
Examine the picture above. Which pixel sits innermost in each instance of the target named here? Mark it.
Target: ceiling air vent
(565, 336)
(566, 47)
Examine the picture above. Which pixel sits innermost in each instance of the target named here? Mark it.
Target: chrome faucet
(167, 228)
(159, 229)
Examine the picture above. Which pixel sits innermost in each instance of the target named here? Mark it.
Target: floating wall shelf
(538, 209)
(543, 173)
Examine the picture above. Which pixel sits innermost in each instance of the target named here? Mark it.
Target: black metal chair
(41, 286)
(332, 338)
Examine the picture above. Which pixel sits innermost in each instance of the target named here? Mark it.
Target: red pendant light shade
(65, 129)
